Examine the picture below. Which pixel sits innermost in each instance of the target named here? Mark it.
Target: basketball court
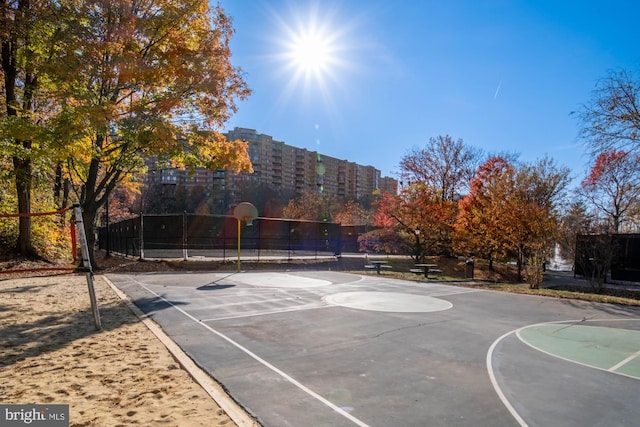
(338, 349)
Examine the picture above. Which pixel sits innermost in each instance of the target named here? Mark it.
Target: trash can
(468, 271)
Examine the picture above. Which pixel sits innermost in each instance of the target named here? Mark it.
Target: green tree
(25, 48)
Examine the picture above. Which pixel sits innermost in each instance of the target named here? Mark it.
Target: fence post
(185, 254)
(289, 231)
(224, 240)
(141, 236)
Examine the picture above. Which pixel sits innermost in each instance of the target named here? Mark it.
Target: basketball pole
(246, 212)
(239, 244)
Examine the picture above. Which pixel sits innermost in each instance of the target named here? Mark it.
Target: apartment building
(285, 167)
(388, 185)
(282, 167)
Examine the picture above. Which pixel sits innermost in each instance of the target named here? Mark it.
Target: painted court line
(263, 362)
(613, 370)
(492, 375)
(265, 313)
(496, 386)
(624, 362)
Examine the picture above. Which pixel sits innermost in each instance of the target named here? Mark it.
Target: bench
(377, 267)
(425, 269)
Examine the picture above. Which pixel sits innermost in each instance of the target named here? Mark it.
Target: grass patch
(501, 278)
(582, 294)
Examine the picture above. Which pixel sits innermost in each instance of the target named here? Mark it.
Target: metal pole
(86, 262)
(185, 254)
(141, 236)
(238, 245)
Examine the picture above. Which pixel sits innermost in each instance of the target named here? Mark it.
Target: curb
(237, 414)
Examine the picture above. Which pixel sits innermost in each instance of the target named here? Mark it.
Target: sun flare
(311, 53)
(311, 47)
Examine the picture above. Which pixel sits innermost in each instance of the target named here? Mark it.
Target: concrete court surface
(338, 349)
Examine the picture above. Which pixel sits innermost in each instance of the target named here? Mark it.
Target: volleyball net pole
(86, 263)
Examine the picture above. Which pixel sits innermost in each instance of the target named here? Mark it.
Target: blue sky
(366, 81)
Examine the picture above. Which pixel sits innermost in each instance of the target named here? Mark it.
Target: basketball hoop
(246, 212)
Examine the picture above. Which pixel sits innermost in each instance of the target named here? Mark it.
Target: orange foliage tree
(416, 221)
(512, 213)
(136, 80)
(482, 214)
(420, 219)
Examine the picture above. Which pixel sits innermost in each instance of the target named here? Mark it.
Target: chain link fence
(210, 236)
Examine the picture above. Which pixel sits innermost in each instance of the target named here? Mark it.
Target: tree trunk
(95, 193)
(61, 192)
(520, 262)
(23, 188)
(10, 61)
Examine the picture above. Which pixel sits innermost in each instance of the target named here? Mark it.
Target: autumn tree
(482, 213)
(415, 219)
(121, 205)
(311, 205)
(611, 119)
(433, 177)
(511, 212)
(541, 192)
(613, 187)
(353, 213)
(138, 80)
(445, 166)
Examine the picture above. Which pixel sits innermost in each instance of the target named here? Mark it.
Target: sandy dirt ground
(50, 352)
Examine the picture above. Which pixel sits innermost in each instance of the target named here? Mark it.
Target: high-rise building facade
(281, 167)
(285, 167)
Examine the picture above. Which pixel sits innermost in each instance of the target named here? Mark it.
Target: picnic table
(377, 265)
(425, 269)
